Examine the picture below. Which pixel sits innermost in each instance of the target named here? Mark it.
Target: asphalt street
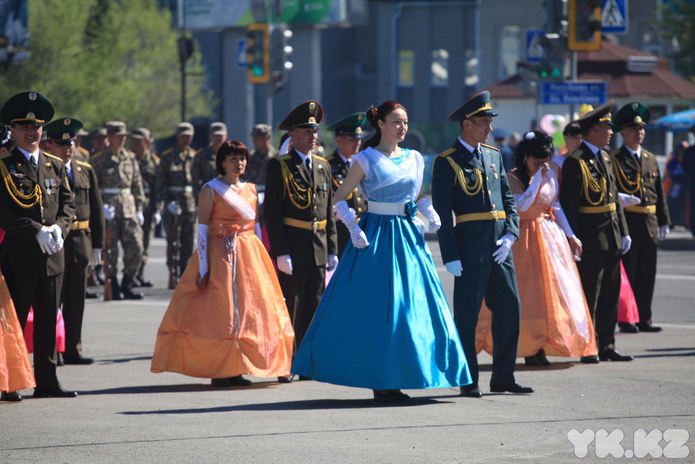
(642, 410)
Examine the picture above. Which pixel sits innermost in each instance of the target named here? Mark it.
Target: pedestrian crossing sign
(614, 17)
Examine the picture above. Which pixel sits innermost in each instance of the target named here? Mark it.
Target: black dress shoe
(589, 359)
(471, 391)
(284, 379)
(91, 295)
(239, 381)
(390, 396)
(10, 396)
(648, 328)
(303, 377)
(540, 356)
(509, 387)
(612, 355)
(53, 393)
(628, 328)
(219, 383)
(77, 360)
(59, 359)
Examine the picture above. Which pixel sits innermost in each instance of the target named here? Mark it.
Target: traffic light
(186, 48)
(257, 53)
(552, 66)
(280, 56)
(557, 16)
(584, 29)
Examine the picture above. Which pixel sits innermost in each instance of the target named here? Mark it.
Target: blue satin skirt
(384, 321)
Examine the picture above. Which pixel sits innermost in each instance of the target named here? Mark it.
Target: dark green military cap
(350, 125)
(308, 115)
(597, 115)
(477, 105)
(27, 107)
(63, 129)
(632, 114)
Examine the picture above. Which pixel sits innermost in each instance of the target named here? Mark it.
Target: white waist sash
(386, 209)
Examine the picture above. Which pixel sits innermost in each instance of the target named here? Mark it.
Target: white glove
(174, 208)
(285, 264)
(454, 267)
(157, 218)
(359, 239)
(141, 217)
(57, 236)
(96, 257)
(109, 212)
(505, 245)
(46, 241)
(426, 208)
(332, 262)
(338, 217)
(625, 244)
(663, 232)
(203, 249)
(628, 200)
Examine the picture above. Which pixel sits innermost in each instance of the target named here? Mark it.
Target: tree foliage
(678, 25)
(102, 60)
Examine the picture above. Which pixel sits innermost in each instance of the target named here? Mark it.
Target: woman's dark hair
(228, 148)
(6, 140)
(376, 114)
(536, 144)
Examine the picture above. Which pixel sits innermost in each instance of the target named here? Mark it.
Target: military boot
(115, 289)
(127, 289)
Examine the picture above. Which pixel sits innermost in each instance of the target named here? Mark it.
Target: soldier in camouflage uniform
(140, 141)
(119, 177)
(174, 190)
(262, 153)
(204, 168)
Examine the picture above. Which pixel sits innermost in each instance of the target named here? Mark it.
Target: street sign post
(574, 93)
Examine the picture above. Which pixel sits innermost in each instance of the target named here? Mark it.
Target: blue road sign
(614, 17)
(574, 93)
(535, 52)
(241, 61)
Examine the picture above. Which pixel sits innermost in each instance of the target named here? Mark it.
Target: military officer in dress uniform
(174, 191)
(36, 211)
(637, 175)
(589, 198)
(469, 180)
(118, 176)
(140, 142)
(204, 168)
(85, 241)
(348, 137)
(299, 217)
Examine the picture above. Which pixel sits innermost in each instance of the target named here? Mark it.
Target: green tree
(102, 60)
(678, 25)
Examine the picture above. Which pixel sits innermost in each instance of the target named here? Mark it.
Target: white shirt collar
(303, 156)
(470, 148)
(594, 149)
(29, 155)
(345, 160)
(637, 153)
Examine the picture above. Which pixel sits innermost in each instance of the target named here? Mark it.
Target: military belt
(597, 209)
(648, 209)
(486, 216)
(115, 191)
(186, 189)
(309, 225)
(79, 225)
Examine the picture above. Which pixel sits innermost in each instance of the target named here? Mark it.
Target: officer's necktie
(307, 163)
(637, 158)
(476, 153)
(32, 161)
(70, 178)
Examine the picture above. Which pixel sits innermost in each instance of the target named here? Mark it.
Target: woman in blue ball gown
(384, 322)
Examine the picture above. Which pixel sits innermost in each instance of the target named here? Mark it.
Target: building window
(440, 68)
(406, 68)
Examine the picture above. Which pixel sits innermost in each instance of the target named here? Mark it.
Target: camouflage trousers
(129, 233)
(180, 232)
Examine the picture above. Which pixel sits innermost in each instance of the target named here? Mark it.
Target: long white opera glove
(426, 208)
(46, 241)
(523, 201)
(627, 200)
(663, 232)
(109, 212)
(332, 263)
(96, 257)
(284, 263)
(625, 244)
(359, 239)
(454, 267)
(203, 249)
(57, 236)
(505, 245)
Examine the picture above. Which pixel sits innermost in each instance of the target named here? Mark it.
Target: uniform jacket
(120, 171)
(293, 192)
(148, 171)
(174, 181)
(88, 207)
(650, 190)
(597, 231)
(472, 242)
(339, 170)
(204, 169)
(20, 252)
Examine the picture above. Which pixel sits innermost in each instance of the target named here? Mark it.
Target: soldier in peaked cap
(469, 180)
(35, 201)
(299, 217)
(204, 168)
(646, 213)
(85, 241)
(348, 136)
(589, 198)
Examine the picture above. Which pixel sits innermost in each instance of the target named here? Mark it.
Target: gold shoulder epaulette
(155, 157)
(5, 155)
(490, 146)
(83, 150)
(576, 154)
(82, 163)
(284, 157)
(96, 155)
(614, 153)
(51, 156)
(199, 150)
(167, 151)
(330, 157)
(320, 158)
(446, 153)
